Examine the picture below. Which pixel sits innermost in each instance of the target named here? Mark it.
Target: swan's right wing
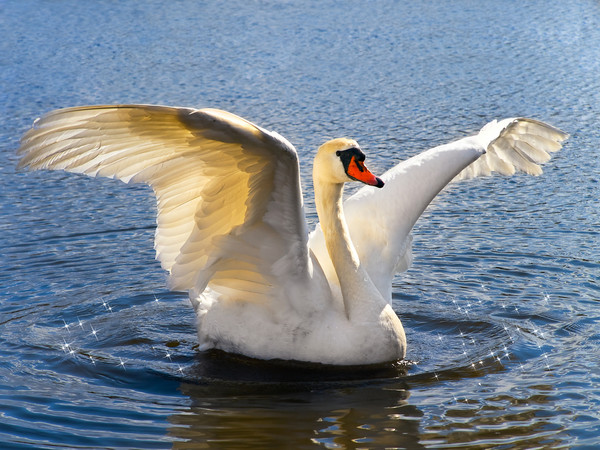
(230, 211)
(380, 220)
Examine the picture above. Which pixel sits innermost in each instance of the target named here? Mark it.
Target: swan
(231, 228)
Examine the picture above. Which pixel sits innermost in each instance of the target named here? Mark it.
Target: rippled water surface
(501, 306)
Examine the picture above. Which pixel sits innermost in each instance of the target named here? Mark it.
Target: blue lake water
(501, 305)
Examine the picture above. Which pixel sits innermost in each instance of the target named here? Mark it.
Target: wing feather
(514, 145)
(224, 187)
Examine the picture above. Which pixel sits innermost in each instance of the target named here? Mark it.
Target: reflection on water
(334, 414)
(501, 306)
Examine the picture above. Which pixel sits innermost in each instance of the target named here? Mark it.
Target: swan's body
(231, 226)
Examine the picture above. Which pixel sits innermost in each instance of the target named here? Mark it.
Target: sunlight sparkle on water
(94, 332)
(106, 305)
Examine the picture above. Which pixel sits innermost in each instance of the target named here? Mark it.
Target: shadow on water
(221, 367)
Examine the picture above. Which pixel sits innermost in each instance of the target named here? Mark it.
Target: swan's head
(340, 161)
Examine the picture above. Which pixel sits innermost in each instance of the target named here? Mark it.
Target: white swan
(231, 226)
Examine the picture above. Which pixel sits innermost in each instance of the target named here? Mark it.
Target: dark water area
(501, 306)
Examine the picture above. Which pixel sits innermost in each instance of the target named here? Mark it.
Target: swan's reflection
(265, 405)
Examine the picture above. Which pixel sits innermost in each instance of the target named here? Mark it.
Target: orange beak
(358, 171)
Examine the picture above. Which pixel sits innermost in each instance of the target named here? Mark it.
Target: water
(501, 306)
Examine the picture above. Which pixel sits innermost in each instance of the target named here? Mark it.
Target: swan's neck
(362, 300)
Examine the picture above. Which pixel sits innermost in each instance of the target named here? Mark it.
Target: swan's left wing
(230, 211)
(514, 145)
(380, 220)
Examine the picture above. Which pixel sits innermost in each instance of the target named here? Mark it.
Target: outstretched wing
(230, 208)
(380, 220)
